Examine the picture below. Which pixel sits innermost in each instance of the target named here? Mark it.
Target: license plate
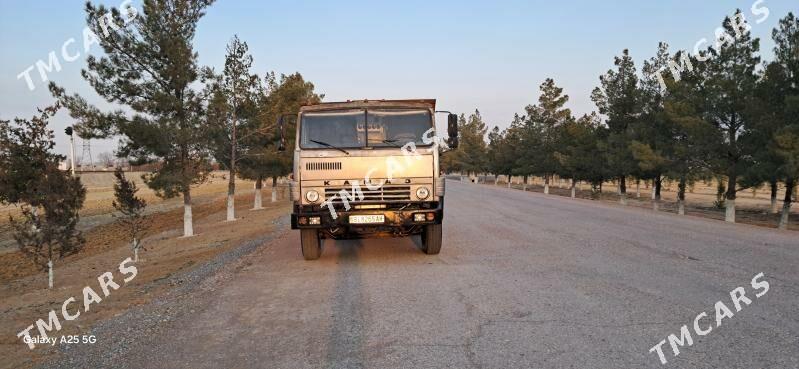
(367, 219)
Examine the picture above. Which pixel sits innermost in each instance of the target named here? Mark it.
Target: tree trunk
(656, 187)
(258, 204)
(638, 188)
(231, 193)
(786, 204)
(623, 190)
(274, 188)
(681, 196)
(773, 183)
(524, 186)
(574, 188)
(135, 250)
(546, 184)
(231, 186)
(50, 273)
(510, 179)
(731, 194)
(188, 226)
(653, 190)
(231, 206)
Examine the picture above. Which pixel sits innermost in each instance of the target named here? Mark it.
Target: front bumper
(393, 217)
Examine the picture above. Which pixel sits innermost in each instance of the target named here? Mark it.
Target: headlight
(312, 196)
(422, 193)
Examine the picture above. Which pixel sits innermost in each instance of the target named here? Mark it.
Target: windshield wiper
(330, 146)
(391, 142)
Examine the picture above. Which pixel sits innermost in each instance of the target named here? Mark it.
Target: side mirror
(452, 131)
(282, 144)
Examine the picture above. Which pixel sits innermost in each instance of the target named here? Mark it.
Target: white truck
(368, 168)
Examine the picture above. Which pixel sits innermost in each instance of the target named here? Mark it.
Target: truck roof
(354, 104)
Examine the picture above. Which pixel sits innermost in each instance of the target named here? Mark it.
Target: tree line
(723, 115)
(170, 111)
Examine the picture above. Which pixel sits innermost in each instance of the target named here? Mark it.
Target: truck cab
(368, 168)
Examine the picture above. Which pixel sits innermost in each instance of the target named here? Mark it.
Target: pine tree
(731, 86)
(131, 211)
(786, 138)
(234, 94)
(470, 156)
(49, 198)
(694, 139)
(260, 158)
(544, 121)
(496, 165)
(652, 139)
(149, 67)
(579, 153)
(618, 99)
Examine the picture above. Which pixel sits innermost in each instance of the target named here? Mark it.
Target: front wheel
(311, 244)
(431, 239)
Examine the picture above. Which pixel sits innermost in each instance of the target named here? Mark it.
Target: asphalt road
(523, 280)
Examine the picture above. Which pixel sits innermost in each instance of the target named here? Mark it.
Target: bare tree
(106, 159)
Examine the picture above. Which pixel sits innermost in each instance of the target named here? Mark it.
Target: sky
(486, 55)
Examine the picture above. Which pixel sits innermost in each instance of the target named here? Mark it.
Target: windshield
(350, 128)
(332, 129)
(397, 127)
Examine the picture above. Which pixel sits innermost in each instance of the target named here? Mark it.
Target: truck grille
(331, 165)
(382, 194)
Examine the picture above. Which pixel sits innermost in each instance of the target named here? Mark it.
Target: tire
(431, 239)
(311, 244)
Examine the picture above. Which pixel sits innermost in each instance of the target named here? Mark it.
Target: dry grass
(25, 297)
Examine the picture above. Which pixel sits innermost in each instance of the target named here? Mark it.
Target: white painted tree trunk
(135, 250)
(231, 208)
(653, 190)
(638, 189)
(729, 216)
(274, 194)
(774, 205)
(258, 198)
(786, 212)
(574, 189)
(188, 224)
(680, 207)
(50, 273)
(656, 205)
(259, 203)
(623, 199)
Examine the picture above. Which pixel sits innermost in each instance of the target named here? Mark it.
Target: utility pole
(71, 135)
(87, 153)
